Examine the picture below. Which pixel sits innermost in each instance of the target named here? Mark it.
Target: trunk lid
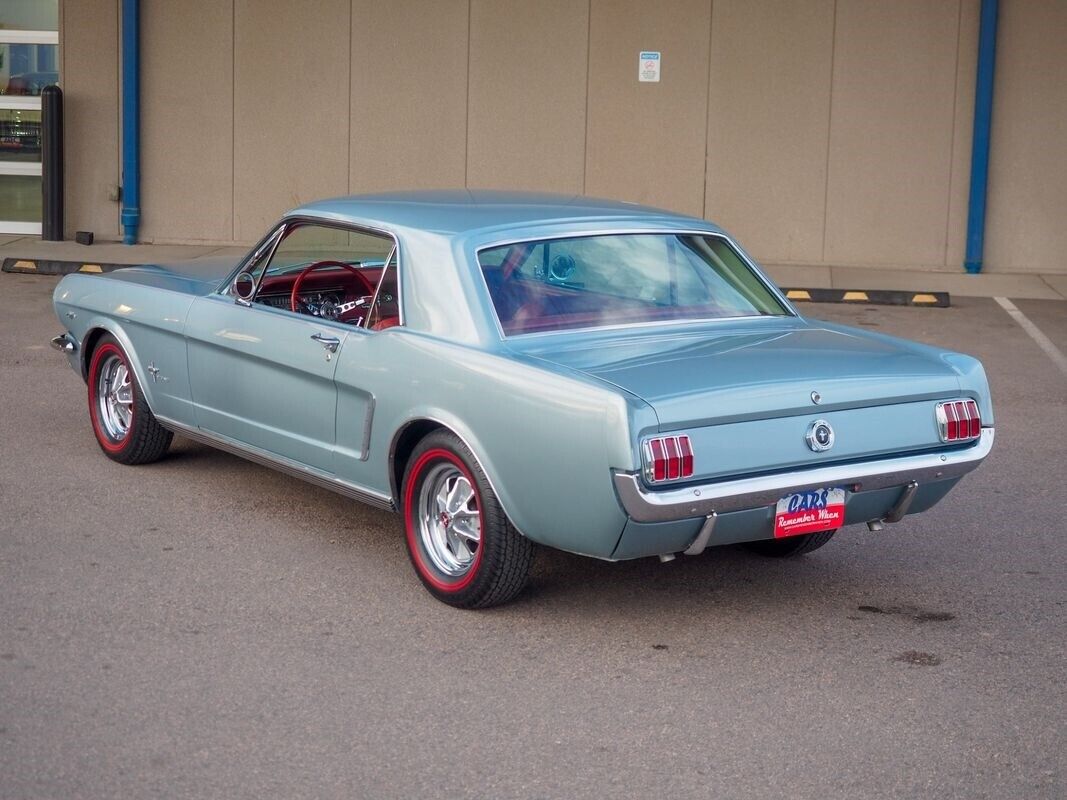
(744, 393)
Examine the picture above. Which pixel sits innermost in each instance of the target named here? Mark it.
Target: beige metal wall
(89, 70)
(1028, 173)
(819, 132)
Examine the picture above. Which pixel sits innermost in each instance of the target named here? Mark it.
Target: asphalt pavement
(204, 627)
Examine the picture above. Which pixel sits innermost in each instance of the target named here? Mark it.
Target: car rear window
(620, 279)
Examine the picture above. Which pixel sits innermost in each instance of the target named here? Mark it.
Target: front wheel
(463, 547)
(790, 546)
(124, 426)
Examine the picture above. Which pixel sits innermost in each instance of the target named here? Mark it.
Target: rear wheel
(790, 546)
(124, 426)
(463, 547)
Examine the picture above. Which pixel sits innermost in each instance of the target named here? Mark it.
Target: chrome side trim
(643, 505)
(280, 463)
(368, 421)
(64, 343)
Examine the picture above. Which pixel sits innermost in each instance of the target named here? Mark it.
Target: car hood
(757, 369)
(197, 277)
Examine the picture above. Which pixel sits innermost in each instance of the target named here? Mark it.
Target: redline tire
(463, 547)
(790, 546)
(122, 422)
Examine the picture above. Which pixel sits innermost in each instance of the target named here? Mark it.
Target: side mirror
(244, 286)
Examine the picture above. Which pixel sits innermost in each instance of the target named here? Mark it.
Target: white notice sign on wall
(648, 66)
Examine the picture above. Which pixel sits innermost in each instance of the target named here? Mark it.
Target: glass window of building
(29, 61)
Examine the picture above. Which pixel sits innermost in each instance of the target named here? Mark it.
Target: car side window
(258, 259)
(325, 271)
(306, 244)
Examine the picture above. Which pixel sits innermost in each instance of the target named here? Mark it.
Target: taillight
(958, 421)
(668, 458)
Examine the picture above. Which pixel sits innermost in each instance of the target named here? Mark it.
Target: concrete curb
(882, 297)
(36, 266)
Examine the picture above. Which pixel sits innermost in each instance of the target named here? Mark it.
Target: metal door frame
(25, 103)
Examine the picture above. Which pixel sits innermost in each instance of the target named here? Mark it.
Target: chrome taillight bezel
(958, 421)
(675, 453)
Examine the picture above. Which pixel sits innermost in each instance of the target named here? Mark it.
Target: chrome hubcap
(114, 398)
(450, 522)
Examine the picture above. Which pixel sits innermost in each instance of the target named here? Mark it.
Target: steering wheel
(294, 296)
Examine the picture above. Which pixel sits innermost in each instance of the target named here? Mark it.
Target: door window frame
(264, 250)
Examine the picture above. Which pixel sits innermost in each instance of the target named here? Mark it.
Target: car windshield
(306, 244)
(596, 281)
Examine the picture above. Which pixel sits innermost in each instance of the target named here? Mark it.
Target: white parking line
(1045, 343)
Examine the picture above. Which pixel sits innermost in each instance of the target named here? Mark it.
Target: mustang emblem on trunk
(820, 436)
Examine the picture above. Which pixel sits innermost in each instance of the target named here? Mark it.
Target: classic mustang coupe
(507, 369)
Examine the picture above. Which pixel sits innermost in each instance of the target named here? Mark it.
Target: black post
(52, 163)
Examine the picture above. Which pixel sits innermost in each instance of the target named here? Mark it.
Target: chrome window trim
(724, 237)
(276, 234)
(271, 239)
(377, 289)
(639, 325)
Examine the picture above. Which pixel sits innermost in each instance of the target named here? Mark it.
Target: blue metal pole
(131, 121)
(983, 116)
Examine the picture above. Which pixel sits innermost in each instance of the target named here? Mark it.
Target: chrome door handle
(331, 343)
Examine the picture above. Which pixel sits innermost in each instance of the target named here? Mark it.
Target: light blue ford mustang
(507, 369)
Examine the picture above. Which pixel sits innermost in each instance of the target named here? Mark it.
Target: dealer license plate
(810, 511)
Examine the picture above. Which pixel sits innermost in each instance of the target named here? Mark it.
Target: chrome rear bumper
(644, 505)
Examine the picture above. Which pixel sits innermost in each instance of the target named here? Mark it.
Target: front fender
(147, 322)
(98, 323)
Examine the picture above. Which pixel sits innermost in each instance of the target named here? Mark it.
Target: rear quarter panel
(546, 440)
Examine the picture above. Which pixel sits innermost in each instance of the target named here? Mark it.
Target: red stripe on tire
(101, 435)
(414, 544)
